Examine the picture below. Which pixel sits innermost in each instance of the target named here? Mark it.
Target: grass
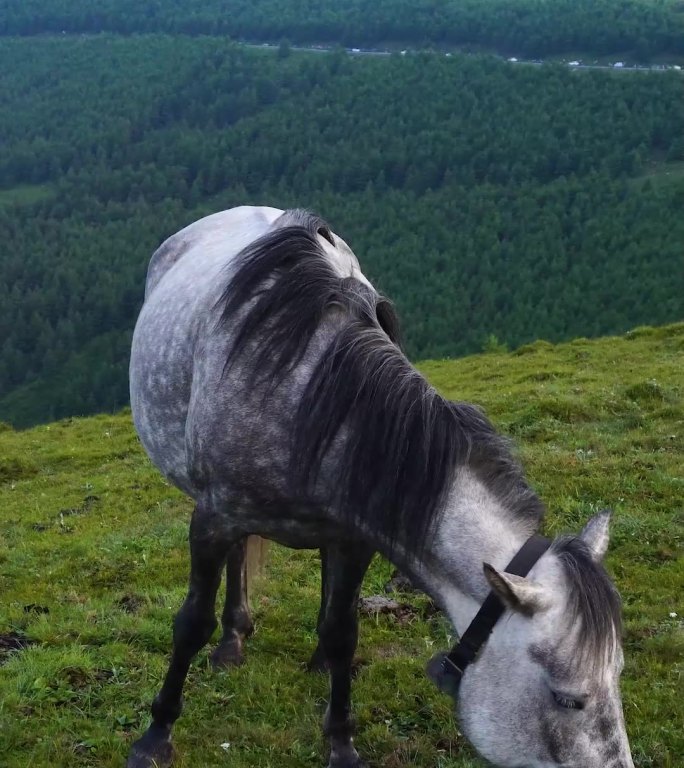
(26, 194)
(93, 564)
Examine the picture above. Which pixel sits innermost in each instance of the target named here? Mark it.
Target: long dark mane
(594, 607)
(397, 443)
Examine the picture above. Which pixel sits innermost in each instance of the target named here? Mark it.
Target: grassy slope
(91, 532)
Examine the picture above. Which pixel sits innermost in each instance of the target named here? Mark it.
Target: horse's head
(544, 691)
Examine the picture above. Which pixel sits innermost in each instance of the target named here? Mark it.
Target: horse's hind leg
(193, 626)
(345, 567)
(235, 620)
(317, 660)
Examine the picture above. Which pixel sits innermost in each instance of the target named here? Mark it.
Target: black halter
(454, 664)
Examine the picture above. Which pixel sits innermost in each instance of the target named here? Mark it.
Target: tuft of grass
(646, 390)
(13, 469)
(93, 565)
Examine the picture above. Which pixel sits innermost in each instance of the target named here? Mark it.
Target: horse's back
(230, 231)
(184, 280)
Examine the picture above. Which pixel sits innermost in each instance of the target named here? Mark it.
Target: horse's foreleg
(345, 567)
(193, 626)
(235, 620)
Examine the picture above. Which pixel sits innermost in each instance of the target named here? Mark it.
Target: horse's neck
(475, 528)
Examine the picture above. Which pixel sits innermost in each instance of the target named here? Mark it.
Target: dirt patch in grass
(85, 506)
(13, 641)
(79, 679)
(130, 603)
(36, 609)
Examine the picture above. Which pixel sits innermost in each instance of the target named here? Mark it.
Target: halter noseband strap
(465, 651)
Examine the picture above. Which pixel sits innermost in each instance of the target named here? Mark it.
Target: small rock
(377, 604)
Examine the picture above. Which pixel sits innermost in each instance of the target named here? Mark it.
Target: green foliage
(529, 27)
(493, 345)
(25, 194)
(93, 557)
(482, 198)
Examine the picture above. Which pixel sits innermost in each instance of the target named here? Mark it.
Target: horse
(269, 384)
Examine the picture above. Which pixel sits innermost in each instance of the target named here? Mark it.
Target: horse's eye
(567, 702)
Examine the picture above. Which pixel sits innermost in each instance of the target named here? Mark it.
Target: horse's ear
(515, 592)
(325, 232)
(596, 535)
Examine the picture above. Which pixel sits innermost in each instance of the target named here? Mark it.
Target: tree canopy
(527, 27)
(643, 28)
(485, 199)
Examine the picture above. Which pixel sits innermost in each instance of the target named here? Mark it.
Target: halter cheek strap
(466, 650)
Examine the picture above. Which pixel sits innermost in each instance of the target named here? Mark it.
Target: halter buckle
(450, 667)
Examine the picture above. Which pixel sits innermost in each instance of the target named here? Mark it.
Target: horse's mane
(398, 443)
(594, 607)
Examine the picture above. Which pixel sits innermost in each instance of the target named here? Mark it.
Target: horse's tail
(257, 554)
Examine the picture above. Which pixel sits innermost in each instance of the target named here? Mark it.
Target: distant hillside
(483, 198)
(638, 28)
(93, 549)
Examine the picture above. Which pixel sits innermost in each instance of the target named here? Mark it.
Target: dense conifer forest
(642, 28)
(487, 200)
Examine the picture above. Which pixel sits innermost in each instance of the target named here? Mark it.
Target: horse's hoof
(346, 758)
(317, 662)
(227, 654)
(353, 763)
(358, 763)
(151, 751)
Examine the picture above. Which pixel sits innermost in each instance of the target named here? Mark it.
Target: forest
(495, 204)
(638, 28)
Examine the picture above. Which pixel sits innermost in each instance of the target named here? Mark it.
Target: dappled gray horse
(268, 384)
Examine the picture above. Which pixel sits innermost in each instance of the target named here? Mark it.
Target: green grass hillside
(93, 564)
